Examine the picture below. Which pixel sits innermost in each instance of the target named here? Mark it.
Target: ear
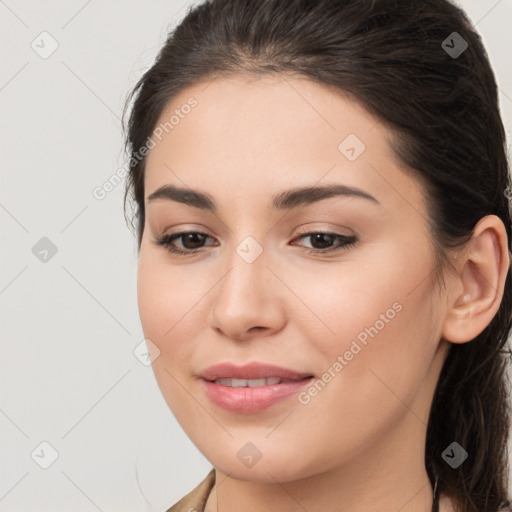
(483, 270)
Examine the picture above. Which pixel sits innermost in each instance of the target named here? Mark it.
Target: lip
(251, 399)
(251, 371)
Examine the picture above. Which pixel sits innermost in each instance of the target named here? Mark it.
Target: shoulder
(196, 499)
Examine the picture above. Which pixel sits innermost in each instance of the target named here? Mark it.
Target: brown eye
(191, 241)
(322, 242)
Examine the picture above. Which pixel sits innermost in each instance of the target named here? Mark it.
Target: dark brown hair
(443, 111)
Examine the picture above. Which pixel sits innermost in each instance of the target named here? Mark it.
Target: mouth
(249, 396)
(251, 387)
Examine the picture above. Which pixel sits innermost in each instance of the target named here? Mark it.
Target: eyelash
(167, 240)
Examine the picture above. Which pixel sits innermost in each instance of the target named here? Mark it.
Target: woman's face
(355, 308)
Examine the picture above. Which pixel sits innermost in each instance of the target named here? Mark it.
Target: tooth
(252, 383)
(224, 382)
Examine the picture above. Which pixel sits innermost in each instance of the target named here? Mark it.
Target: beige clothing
(195, 500)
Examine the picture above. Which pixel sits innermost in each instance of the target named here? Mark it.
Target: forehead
(272, 109)
(270, 131)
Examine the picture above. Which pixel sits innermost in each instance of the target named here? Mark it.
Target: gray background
(70, 324)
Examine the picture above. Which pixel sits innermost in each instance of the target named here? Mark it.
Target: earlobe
(482, 277)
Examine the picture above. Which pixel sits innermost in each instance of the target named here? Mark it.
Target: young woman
(324, 232)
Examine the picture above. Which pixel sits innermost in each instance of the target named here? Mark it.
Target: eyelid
(308, 228)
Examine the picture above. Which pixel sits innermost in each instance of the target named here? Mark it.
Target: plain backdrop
(73, 395)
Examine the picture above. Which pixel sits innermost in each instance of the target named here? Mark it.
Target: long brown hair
(440, 100)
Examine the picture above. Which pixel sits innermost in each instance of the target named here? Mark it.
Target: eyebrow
(286, 200)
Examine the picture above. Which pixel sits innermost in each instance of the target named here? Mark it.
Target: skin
(360, 441)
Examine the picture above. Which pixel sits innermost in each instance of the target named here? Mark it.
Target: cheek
(168, 303)
(151, 296)
(339, 302)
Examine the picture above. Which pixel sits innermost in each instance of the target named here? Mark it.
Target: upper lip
(250, 371)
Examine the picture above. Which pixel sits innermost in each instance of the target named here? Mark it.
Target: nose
(247, 301)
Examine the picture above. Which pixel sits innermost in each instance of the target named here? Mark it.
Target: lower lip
(247, 399)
